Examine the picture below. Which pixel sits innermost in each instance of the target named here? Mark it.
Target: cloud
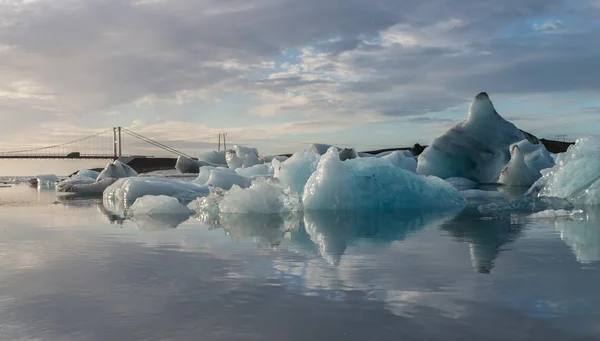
(341, 61)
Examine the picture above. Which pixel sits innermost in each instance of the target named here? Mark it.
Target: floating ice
(399, 159)
(375, 184)
(84, 185)
(47, 180)
(537, 157)
(517, 172)
(265, 195)
(152, 205)
(204, 174)
(320, 148)
(526, 205)
(479, 197)
(127, 190)
(461, 183)
(242, 157)
(158, 212)
(296, 170)
(116, 170)
(270, 158)
(186, 165)
(226, 180)
(348, 154)
(265, 169)
(214, 157)
(477, 149)
(88, 173)
(550, 214)
(576, 175)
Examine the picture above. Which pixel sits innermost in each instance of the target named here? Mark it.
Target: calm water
(74, 270)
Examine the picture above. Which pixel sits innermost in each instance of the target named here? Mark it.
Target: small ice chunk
(88, 173)
(399, 159)
(84, 186)
(214, 157)
(526, 205)
(265, 195)
(204, 174)
(240, 156)
(517, 172)
(320, 148)
(265, 169)
(158, 212)
(348, 154)
(479, 197)
(537, 157)
(296, 170)
(226, 180)
(372, 183)
(116, 170)
(550, 214)
(186, 165)
(128, 190)
(153, 205)
(47, 180)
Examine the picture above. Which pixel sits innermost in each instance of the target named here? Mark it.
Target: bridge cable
(155, 143)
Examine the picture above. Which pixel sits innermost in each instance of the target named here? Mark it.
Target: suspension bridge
(105, 145)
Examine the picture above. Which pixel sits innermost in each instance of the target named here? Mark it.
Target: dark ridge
(556, 146)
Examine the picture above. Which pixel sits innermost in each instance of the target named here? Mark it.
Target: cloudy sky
(278, 74)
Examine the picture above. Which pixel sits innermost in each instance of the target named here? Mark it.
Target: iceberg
(576, 175)
(128, 190)
(296, 170)
(157, 212)
(241, 157)
(86, 185)
(47, 180)
(265, 169)
(374, 184)
(116, 170)
(214, 157)
(265, 195)
(537, 157)
(205, 172)
(320, 148)
(476, 149)
(399, 159)
(517, 172)
(88, 173)
(186, 165)
(348, 154)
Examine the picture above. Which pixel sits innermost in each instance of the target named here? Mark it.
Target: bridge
(105, 145)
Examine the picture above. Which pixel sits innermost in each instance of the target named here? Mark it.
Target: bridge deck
(63, 157)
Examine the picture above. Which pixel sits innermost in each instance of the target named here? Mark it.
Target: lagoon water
(70, 269)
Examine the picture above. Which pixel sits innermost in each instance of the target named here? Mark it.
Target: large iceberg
(374, 184)
(576, 175)
(477, 149)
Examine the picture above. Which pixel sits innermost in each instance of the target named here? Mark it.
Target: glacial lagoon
(71, 269)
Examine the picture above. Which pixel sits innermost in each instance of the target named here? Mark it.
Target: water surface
(70, 269)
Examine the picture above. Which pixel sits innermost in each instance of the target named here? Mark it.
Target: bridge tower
(117, 143)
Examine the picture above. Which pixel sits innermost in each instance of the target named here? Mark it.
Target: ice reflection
(328, 232)
(582, 234)
(486, 237)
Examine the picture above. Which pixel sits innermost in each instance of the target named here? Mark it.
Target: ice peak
(481, 107)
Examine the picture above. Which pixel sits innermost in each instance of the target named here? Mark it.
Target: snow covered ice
(576, 175)
(476, 149)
